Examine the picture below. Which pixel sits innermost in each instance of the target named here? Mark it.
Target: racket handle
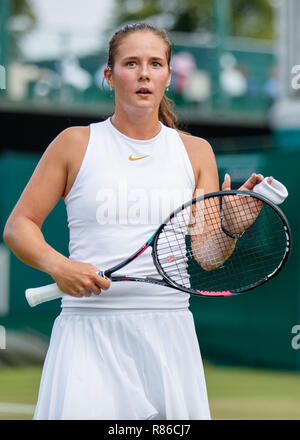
(103, 275)
(39, 295)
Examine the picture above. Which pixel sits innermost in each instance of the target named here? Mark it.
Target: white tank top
(124, 190)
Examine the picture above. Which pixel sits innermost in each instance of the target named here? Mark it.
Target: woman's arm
(211, 246)
(205, 232)
(49, 182)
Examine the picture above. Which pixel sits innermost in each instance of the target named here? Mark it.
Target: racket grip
(39, 295)
(102, 274)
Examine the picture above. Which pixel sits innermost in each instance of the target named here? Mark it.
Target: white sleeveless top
(124, 190)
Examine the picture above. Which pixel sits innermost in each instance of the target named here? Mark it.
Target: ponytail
(166, 114)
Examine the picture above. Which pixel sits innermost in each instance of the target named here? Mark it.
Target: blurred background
(236, 83)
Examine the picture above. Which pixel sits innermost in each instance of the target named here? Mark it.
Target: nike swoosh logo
(137, 158)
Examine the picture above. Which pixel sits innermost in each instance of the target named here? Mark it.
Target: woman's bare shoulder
(70, 145)
(199, 150)
(203, 162)
(70, 139)
(195, 143)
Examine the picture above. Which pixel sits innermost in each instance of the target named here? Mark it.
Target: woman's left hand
(253, 180)
(239, 213)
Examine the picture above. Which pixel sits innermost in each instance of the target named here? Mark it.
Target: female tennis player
(119, 350)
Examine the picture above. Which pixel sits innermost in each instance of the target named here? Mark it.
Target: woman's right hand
(79, 279)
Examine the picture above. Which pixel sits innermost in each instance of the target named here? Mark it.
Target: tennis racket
(217, 245)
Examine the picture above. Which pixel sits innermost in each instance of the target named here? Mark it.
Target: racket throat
(107, 273)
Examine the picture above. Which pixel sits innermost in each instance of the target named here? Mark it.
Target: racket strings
(194, 251)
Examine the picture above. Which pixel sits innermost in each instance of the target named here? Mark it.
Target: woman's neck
(139, 124)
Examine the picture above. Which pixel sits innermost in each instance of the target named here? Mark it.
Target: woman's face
(140, 73)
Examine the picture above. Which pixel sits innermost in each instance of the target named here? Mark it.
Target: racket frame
(166, 281)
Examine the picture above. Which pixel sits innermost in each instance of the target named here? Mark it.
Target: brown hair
(165, 114)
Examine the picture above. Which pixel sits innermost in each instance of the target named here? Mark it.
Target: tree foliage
(23, 8)
(247, 18)
(252, 18)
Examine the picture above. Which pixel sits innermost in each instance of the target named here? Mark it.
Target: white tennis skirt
(123, 365)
